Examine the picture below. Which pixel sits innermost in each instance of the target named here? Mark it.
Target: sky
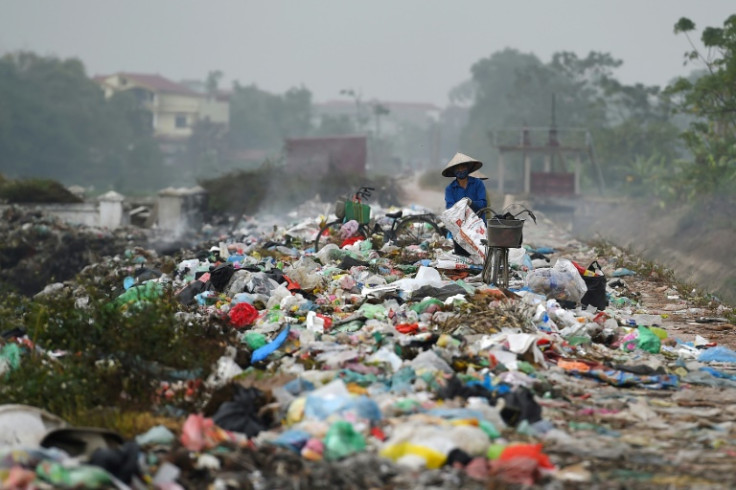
(390, 50)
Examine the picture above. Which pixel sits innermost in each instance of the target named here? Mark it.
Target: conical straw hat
(459, 158)
(479, 175)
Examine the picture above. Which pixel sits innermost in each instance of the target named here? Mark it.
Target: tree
(261, 120)
(56, 123)
(513, 88)
(213, 81)
(711, 101)
(510, 89)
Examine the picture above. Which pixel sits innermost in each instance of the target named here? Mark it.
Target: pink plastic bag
(348, 229)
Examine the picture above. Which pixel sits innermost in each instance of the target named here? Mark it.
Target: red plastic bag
(242, 315)
(351, 240)
(407, 327)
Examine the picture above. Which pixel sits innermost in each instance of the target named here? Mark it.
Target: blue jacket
(475, 190)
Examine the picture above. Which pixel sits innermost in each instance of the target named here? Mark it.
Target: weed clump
(88, 354)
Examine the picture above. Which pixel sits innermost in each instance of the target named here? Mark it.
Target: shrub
(35, 191)
(114, 356)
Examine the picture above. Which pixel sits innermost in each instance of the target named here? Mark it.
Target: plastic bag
(648, 340)
(260, 283)
(220, 276)
(561, 282)
(426, 276)
(717, 354)
(9, 358)
(242, 315)
(340, 207)
(467, 228)
(241, 414)
(348, 229)
(263, 352)
(595, 281)
(238, 282)
(342, 440)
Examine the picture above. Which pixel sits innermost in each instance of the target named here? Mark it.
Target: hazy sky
(393, 50)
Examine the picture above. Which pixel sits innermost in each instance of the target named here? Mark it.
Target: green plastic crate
(357, 211)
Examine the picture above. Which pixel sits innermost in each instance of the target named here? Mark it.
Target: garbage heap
(37, 249)
(368, 367)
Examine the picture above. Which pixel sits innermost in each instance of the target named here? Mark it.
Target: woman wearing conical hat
(480, 175)
(463, 185)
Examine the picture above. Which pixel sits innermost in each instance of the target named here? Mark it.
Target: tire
(330, 233)
(414, 230)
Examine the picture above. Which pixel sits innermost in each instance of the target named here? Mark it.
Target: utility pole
(359, 121)
(378, 111)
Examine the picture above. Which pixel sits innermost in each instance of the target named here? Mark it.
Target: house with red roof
(174, 107)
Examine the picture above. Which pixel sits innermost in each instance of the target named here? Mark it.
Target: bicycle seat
(395, 215)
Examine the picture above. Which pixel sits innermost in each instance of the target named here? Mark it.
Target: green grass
(655, 272)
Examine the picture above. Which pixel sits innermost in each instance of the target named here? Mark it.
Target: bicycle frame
(496, 264)
(403, 230)
(390, 233)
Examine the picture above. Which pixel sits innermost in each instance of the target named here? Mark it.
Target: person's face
(462, 171)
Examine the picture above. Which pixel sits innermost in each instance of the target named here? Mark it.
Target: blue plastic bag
(263, 352)
(717, 354)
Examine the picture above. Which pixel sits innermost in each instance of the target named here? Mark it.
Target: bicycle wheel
(330, 233)
(414, 230)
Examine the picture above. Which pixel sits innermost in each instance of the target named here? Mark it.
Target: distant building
(316, 157)
(175, 108)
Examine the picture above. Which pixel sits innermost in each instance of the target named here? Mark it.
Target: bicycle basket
(505, 232)
(357, 211)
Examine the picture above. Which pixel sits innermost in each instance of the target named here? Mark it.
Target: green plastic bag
(9, 358)
(648, 340)
(147, 291)
(342, 440)
(425, 304)
(83, 476)
(366, 246)
(489, 429)
(373, 311)
(254, 340)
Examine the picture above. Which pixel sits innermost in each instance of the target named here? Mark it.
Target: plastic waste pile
(36, 249)
(350, 367)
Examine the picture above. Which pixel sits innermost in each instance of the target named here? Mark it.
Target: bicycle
(404, 230)
(504, 231)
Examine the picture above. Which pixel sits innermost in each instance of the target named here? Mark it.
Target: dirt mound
(695, 242)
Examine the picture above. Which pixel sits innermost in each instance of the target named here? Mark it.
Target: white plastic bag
(426, 276)
(467, 229)
(453, 262)
(561, 282)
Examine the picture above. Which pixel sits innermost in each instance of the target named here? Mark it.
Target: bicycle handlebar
(505, 214)
(364, 192)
